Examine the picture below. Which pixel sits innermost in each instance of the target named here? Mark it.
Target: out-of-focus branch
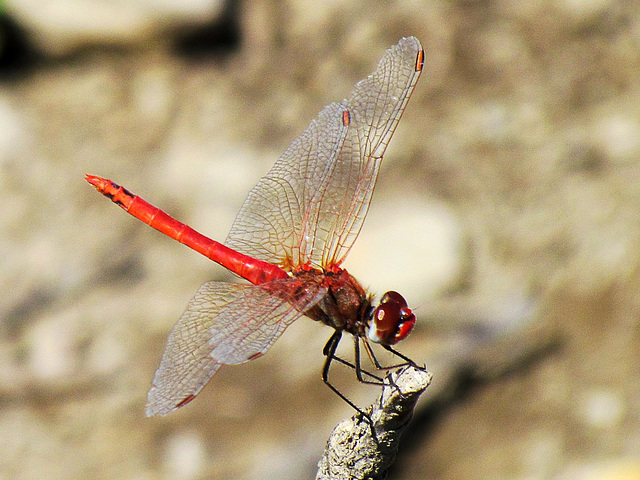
(352, 452)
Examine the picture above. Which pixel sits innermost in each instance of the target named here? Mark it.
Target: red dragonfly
(293, 232)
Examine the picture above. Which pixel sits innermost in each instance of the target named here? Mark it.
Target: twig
(352, 452)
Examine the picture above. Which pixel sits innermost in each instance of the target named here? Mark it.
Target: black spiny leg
(358, 365)
(329, 351)
(407, 360)
(376, 362)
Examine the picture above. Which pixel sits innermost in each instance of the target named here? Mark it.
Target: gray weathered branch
(352, 452)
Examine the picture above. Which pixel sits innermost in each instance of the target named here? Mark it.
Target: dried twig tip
(353, 452)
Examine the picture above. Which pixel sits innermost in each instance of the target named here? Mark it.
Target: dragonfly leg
(351, 365)
(379, 366)
(407, 360)
(376, 362)
(329, 351)
(330, 346)
(358, 365)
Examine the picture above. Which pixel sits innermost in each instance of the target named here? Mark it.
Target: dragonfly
(289, 240)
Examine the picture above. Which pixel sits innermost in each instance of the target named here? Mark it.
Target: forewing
(310, 207)
(224, 323)
(375, 107)
(278, 218)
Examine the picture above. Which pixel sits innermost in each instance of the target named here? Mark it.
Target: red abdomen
(256, 271)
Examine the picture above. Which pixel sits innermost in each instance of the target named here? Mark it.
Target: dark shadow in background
(17, 55)
(218, 38)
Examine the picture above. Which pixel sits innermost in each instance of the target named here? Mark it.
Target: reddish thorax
(345, 306)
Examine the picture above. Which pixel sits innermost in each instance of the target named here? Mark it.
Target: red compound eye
(392, 320)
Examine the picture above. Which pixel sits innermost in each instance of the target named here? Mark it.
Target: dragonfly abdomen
(254, 270)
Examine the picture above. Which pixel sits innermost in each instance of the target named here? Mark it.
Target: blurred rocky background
(507, 212)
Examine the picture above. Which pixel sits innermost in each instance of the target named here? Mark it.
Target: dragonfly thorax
(346, 305)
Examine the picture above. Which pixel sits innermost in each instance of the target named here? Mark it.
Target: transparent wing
(224, 323)
(310, 207)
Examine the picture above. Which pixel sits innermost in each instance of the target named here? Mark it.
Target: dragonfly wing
(310, 207)
(224, 323)
(375, 107)
(276, 222)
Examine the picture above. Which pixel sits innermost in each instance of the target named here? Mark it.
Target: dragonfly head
(391, 321)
